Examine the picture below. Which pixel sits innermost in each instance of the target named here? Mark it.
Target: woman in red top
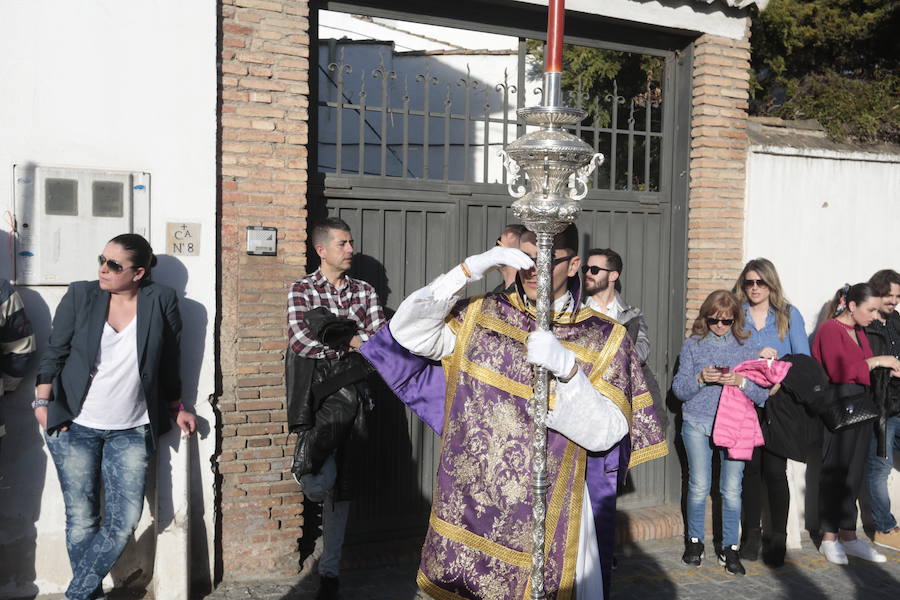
(843, 350)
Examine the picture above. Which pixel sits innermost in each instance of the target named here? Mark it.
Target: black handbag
(852, 405)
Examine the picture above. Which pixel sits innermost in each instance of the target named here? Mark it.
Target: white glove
(545, 350)
(497, 256)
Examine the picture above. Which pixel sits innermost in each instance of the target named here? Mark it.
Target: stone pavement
(647, 571)
(653, 571)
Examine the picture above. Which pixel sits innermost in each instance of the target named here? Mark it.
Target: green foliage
(614, 87)
(589, 74)
(831, 60)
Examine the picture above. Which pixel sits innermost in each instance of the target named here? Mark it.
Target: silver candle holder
(548, 170)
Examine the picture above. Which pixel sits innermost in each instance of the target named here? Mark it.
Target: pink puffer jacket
(736, 427)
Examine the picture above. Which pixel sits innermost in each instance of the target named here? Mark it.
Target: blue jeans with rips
(699, 449)
(85, 457)
(877, 471)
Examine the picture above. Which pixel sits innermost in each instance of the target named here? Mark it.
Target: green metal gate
(406, 154)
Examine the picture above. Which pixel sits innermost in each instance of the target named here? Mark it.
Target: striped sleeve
(17, 342)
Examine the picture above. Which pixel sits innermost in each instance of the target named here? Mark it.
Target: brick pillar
(721, 83)
(264, 79)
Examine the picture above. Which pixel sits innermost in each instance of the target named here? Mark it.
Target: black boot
(774, 549)
(750, 544)
(693, 552)
(731, 560)
(328, 588)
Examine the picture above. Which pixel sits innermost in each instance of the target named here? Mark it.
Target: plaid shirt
(357, 300)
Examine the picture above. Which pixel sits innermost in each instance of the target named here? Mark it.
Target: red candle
(555, 22)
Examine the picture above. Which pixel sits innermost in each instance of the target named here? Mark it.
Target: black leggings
(843, 464)
(773, 469)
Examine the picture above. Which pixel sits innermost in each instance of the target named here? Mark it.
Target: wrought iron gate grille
(426, 116)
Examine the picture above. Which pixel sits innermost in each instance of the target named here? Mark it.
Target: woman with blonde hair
(717, 344)
(778, 328)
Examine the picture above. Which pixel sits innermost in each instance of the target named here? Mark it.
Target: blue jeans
(83, 456)
(699, 449)
(877, 471)
(319, 487)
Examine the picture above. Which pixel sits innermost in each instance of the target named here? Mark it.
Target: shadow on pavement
(638, 574)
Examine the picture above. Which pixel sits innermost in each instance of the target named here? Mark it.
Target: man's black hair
(321, 231)
(514, 228)
(613, 260)
(567, 239)
(882, 280)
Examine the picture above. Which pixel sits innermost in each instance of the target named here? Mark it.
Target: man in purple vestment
(478, 544)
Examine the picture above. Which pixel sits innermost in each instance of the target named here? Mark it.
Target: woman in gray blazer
(108, 386)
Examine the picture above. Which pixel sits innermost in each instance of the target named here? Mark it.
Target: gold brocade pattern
(437, 593)
(575, 504)
(478, 542)
(466, 537)
(648, 453)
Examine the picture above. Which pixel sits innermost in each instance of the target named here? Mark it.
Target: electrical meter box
(65, 215)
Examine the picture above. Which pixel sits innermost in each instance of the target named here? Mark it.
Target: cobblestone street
(647, 571)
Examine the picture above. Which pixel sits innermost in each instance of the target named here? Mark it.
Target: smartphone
(723, 369)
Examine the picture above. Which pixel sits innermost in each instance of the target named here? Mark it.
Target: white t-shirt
(115, 399)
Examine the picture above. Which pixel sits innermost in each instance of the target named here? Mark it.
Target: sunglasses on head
(711, 321)
(749, 283)
(111, 264)
(594, 269)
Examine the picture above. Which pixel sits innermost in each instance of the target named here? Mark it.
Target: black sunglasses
(594, 269)
(749, 283)
(112, 265)
(555, 261)
(727, 322)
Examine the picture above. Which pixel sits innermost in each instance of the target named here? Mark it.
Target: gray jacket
(68, 362)
(633, 319)
(636, 325)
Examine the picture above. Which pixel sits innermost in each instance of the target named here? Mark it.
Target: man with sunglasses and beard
(602, 289)
(478, 542)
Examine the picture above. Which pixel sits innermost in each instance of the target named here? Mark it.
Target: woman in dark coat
(108, 386)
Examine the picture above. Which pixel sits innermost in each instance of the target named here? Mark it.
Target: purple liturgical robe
(478, 542)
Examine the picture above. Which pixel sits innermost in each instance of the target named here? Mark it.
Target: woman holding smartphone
(717, 344)
(843, 349)
(776, 327)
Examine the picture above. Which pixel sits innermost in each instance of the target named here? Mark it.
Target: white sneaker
(862, 550)
(834, 552)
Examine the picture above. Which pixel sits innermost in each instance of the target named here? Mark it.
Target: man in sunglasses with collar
(478, 542)
(602, 289)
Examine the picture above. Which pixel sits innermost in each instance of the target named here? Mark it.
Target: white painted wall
(823, 218)
(714, 17)
(123, 85)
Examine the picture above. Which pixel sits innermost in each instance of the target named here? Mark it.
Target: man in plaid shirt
(329, 286)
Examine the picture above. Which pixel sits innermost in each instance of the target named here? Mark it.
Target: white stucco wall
(823, 218)
(119, 85)
(715, 18)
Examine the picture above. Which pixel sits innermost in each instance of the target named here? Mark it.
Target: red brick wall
(264, 80)
(721, 83)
